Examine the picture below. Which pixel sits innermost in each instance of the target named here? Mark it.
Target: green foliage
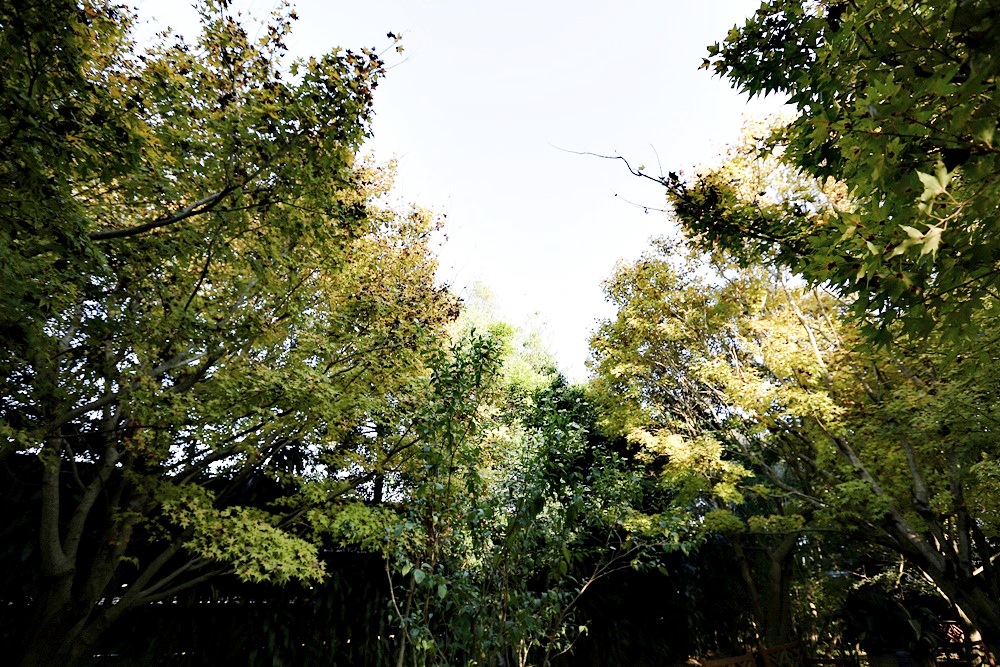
(750, 396)
(528, 365)
(204, 311)
(723, 522)
(776, 523)
(245, 538)
(653, 361)
(356, 523)
(898, 102)
(506, 515)
(986, 476)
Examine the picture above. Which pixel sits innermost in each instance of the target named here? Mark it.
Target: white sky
(482, 99)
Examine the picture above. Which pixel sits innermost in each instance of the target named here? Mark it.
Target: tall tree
(720, 374)
(503, 527)
(199, 296)
(660, 369)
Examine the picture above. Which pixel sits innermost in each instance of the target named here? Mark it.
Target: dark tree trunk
(974, 592)
(769, 584)
(58, 640)
(778, 602)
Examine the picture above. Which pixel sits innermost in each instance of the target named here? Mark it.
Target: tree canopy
(202, 303)
(898, 102)
(751, 393)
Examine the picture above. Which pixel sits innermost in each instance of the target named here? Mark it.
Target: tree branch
(203, 205)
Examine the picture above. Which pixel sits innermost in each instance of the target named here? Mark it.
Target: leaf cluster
(898, 102)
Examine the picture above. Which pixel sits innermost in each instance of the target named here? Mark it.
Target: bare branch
(659, 180)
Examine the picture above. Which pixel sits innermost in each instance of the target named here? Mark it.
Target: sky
(488, 108)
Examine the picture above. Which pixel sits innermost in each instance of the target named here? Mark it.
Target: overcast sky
(483, 106)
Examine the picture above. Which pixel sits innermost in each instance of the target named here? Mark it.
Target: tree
(200, 299)
(898, 101)
(658, 368)
(744, 387)
(506, 524)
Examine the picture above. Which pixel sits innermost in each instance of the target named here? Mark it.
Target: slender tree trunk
(778, 602)
(759, 616)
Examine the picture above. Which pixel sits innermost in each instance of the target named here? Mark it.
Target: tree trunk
(59, 641)
(778, 601)
(979, 609)
(772, 602)
(72, 633)
(975, 596)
